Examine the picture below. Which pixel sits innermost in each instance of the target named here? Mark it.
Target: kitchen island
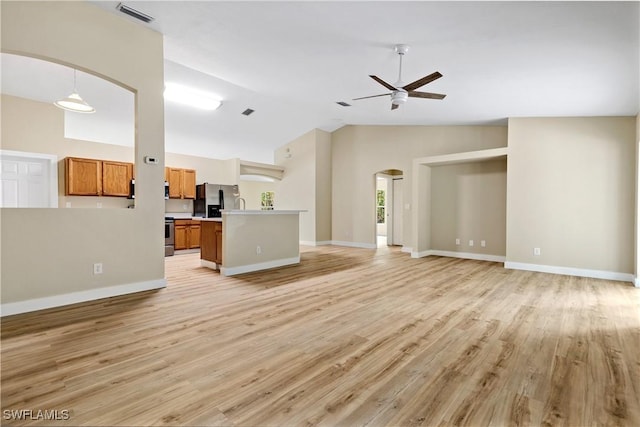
(243, 241)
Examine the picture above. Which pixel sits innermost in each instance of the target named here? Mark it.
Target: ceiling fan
(399, 93)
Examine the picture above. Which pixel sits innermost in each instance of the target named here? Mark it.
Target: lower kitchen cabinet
(187, 234)
(211, 250)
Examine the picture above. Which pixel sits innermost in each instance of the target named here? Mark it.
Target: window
(380, 206)
(266, 201)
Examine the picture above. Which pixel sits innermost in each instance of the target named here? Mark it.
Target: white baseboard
(463, 255)
(354, 244)
(36, 304)
(570, 271)
(232, 271)
(209, 264)
(317, 243)
(420, 254)
(406, 249)
(637, 282)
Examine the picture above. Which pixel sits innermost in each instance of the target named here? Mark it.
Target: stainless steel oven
(169, 236)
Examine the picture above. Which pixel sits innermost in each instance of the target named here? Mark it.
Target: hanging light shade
(74, 102)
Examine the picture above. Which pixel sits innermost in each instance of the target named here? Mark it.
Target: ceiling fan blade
(394, 106)
(372, 96)
(383, 83)
(423, 81)
(429, 95)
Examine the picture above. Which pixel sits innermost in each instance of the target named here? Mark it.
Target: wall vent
(344, 104)
(134, 13)
(248, 112)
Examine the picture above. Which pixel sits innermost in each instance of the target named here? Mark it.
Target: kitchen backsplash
(178, 205)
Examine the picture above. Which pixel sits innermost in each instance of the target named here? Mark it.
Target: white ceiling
(291, 62)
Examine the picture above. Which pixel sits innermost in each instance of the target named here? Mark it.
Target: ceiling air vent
(134, 13)
(344, 104)
(248, 112)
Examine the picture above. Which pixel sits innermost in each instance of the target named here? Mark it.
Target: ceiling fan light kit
(400, 92)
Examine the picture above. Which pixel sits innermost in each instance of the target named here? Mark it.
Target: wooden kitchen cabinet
(83, 177)
(93, 177)
(116, 177)
(211, 247)
(187, 234)
(182, 183)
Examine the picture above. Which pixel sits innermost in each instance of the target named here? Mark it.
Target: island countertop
(261, 212)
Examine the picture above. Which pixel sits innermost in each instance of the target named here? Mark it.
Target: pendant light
(74, 102)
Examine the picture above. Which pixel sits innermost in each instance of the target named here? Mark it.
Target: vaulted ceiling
(292, 61)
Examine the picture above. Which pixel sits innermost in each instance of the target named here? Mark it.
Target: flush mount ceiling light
(74, 102)
(191, 97)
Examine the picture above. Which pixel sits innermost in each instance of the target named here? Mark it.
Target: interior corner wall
(64, 243)
(359, 152)
(570, 192)
(297, 189)
(323, 186)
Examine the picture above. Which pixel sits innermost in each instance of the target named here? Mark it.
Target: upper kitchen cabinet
(83, 177)
(91, 177)
(116, 177)
(182, 183)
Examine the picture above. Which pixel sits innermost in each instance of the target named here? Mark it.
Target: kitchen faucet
(244, 203)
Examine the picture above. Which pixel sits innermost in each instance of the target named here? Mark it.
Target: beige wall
(571, 192)
(323, 187)
(358, 152)
(64, 243)
(468, 202)
(251, 192)
(306, 183)
(212, 171)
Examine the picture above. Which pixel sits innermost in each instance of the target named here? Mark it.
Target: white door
(26, 182)
(397, 212)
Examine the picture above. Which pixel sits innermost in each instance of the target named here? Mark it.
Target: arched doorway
(388, 206)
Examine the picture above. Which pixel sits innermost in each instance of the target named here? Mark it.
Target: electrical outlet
(99, 204)
(483, 243)
(68, 204)
(536, 251)
(97, 268)
(258, 250)
(184, 207)
(470, 242)
(458, 242)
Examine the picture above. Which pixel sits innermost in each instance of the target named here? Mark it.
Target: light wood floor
(350, 337)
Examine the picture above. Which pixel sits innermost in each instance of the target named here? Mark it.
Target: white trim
(571, 271)
(406, 249)
(637, 282)
(463, 255)
(312, 243)
(230, 271)
(469, 255)
(53, 301)
(209, 264)
(421, 254)
(354, 244)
